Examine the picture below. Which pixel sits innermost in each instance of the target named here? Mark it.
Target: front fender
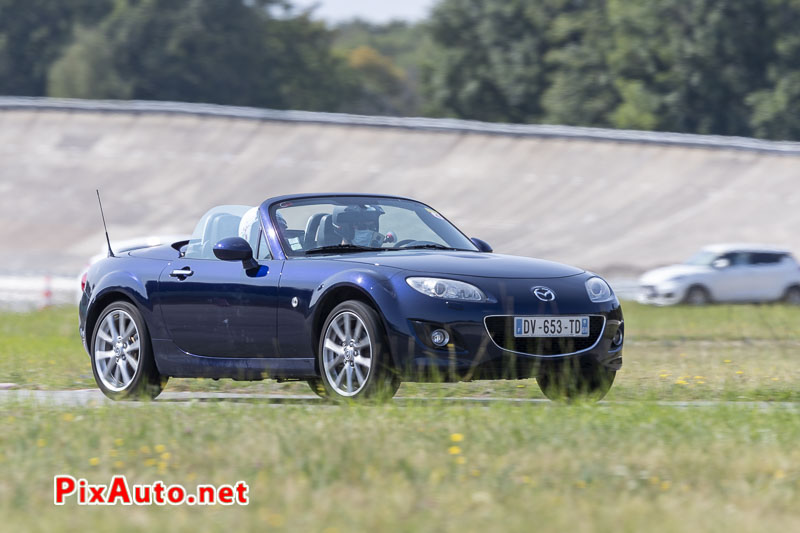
(363, 284)
(311, 289)
(375, 285)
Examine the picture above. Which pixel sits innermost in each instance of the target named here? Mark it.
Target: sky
(371, 10)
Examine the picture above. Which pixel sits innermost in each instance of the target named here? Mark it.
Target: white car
(120, 247)
(725, 273)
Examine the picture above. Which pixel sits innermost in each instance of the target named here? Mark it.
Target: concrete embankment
(613, 201)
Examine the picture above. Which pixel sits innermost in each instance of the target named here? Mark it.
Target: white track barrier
(22, 293)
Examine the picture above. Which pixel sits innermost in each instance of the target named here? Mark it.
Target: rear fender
(123, 285)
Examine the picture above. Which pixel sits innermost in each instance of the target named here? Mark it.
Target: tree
(490, 63)
(775, 108)
(385, 64)
(32, 35)
(580, 89)
(227, 51)
(381, 84)
(687, 65)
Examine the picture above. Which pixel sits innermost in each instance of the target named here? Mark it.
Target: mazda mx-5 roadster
(352, 293)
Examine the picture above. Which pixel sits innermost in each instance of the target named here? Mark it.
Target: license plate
(548, 326)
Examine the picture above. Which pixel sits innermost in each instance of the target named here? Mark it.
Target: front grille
(501, 329)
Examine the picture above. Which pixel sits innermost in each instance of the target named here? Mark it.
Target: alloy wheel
(347, 354)
(117, 350)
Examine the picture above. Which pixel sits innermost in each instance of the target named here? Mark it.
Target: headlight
(599, 290)
(446, 289)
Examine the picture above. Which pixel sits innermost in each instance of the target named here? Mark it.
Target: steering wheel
(403, 242)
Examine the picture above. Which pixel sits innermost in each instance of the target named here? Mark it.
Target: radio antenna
(108, 241)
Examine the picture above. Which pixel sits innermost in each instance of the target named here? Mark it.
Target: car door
(729, 284)
(217, 308)
(768, 276)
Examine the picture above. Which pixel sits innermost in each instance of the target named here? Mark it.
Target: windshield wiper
(430, 246)
(342, 248)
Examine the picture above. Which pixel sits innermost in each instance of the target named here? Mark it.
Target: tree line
(726, 67)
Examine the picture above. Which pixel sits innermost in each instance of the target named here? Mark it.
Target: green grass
(715, 322)
(632, 467)
(631, 464)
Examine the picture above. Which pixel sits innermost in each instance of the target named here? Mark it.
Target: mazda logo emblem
(545, 294)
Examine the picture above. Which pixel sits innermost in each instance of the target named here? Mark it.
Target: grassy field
(630, 464)
(425, 467)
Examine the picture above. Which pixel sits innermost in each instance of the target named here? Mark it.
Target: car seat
(310, 239)
(327, 235)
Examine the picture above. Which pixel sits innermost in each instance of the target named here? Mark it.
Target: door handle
(184, 272)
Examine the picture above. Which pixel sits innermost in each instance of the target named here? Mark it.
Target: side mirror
(482, 245)
(235, 249)
(719, 264)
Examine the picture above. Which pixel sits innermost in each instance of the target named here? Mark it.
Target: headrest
(249, 224)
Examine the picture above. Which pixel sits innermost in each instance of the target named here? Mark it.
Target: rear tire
(574, 380)
(122, 356)
(353, 356)
(792, 295)
(697, 295)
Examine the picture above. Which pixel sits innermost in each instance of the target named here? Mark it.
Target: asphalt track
(94, 398)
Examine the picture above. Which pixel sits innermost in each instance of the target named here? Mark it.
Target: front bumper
(665, 294)
(473, 353)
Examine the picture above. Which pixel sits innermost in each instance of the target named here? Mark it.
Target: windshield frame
(291, 254)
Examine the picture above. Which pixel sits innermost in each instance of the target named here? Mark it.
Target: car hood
(488, 265)
(666, 273)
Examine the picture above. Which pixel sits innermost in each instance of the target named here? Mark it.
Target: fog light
(618, 336)
(440, 337)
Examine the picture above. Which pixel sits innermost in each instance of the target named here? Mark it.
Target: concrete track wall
(611, 201)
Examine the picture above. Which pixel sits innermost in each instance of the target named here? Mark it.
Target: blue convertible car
(352, 293)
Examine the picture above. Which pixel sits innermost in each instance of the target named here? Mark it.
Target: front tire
(354, 360)
(122, 356)
(573, 380)
(697, 295)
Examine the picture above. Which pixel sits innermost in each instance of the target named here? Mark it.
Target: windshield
(345, 224)
(702, 258)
